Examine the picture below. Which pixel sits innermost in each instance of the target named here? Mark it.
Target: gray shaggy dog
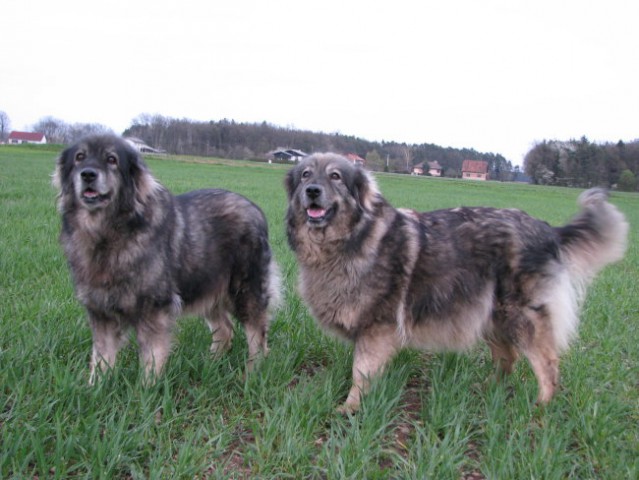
(139, 256)
(387, 278)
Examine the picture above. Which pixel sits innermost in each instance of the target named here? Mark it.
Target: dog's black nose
(88, 175)
(313, 191)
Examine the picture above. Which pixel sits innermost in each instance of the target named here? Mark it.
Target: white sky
(491, 75)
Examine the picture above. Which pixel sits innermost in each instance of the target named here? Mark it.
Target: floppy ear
(137, 182)
(291, 181)
(145, 184)
(62, 172)
(61, 180)
(129, 173)
(366, 190)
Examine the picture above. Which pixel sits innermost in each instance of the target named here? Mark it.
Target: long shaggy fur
(388, 278)
(140, 257)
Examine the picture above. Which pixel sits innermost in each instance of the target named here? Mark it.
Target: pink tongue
(316, 212)
(90, 193)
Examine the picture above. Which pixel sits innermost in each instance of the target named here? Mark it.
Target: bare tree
(54, 129)
(401, 157)
(407, 156)
(79, 130)
(5, 126)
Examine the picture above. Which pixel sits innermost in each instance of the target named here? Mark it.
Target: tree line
(574, 163)
(254, 141)
(582, 163)
(230, 139)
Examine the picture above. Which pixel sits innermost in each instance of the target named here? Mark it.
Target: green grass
(430, 416)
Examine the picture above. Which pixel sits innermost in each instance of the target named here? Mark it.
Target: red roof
(26, 136)
(355, 158)
(475, 166)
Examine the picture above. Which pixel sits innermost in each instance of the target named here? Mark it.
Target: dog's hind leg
(221, 327)
(540, 350)
(108, 339)
(154, 338)
(252, 311)
(545, 364)
(373, 350)
(256, 337)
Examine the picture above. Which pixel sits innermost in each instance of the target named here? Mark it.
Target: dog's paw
(219, 348)
(347, 409)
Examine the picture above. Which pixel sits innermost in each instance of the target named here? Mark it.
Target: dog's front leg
(373, 350)
(221, 328)
(108, 339)
(154, 338)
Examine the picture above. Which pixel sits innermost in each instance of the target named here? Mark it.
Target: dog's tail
(594, 238)
(274, 287)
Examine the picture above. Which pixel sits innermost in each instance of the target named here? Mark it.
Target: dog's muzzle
(316, 212)
(90, 193)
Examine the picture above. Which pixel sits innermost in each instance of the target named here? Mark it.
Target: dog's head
(101, 172)
(328, 192)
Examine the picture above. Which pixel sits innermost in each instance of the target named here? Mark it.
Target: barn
(475, 170)
(17, 138)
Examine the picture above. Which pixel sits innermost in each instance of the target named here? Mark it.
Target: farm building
(287, 154)
(16, 138)
(475, 170)
(434, 169)
(141, 146)
(418, 169)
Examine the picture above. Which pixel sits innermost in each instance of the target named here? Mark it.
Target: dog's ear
(291, 181)
(366, 190)
(62, 172)
(136, 166)
(137, 182)
(130, 171)
(61, 179)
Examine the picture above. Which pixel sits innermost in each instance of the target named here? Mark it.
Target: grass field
(431, 416)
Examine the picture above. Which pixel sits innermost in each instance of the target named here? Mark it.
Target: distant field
(431, 416)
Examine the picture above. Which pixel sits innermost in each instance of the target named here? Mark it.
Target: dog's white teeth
(316, 212)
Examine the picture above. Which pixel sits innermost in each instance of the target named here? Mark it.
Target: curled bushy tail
(594, 238)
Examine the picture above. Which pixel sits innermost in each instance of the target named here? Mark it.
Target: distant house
(16, 138)
(434, 169)
(287, 154)
(475, 170)
(356, 159)
(141, 146)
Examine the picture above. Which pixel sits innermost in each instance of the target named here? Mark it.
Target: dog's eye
(306, 173)
(80, 156)
(112, 160)
(335, 176)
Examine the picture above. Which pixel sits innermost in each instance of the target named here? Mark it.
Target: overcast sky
(492, 75)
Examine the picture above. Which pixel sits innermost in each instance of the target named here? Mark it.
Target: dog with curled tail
(386, 278)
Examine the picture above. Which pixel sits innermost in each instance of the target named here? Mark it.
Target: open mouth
(91, 196)
(318, 215)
